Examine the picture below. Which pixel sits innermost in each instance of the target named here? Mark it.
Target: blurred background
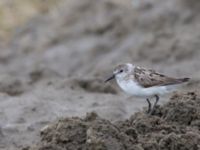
(55, 53)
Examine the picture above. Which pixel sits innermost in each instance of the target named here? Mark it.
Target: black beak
(110, 78)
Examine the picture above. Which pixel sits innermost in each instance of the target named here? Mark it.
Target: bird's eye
(121, 71)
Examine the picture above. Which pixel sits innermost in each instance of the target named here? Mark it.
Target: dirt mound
(12, 86)
(183, 109)
(141, 132)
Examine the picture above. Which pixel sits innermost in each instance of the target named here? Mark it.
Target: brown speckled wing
(149, 78)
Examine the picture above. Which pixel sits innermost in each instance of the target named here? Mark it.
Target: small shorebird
(146, 83)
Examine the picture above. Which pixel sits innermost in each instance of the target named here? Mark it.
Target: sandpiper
(145, 83)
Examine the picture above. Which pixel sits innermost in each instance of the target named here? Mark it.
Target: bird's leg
(149, 106)
(154, 105)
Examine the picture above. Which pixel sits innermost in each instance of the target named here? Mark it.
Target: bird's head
(120, 71)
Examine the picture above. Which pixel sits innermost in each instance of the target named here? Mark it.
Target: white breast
(132, 88)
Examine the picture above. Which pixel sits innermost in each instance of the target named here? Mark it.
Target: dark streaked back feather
(149, 78)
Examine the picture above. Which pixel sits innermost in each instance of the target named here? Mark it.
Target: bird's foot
(154, 106)
(149, 106)
(152, 112)
(148, 111)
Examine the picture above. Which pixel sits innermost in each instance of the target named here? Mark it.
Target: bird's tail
(178, 81)
(184, 80)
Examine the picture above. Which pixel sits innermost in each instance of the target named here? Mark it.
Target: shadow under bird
(145, 83)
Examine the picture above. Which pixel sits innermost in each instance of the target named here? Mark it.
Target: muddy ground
(174, 126)
(54, 64)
